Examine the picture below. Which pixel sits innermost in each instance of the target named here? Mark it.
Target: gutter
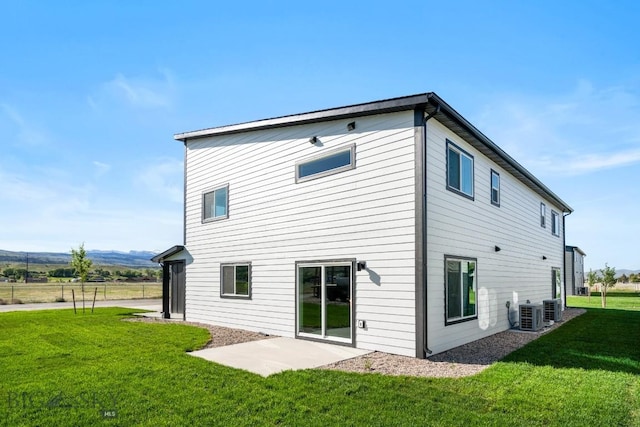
(564, 255)
(425, 351)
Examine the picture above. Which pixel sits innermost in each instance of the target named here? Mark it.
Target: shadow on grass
(600, 339)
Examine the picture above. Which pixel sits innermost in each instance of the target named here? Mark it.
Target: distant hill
(626, 272)
(126, 259)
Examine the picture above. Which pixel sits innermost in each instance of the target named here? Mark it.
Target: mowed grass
(620, 300)
(61, 369)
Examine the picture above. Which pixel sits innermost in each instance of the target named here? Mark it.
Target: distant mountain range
(126, 259)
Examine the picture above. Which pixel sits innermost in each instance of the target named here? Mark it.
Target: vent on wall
(531, 317)
(552, 310)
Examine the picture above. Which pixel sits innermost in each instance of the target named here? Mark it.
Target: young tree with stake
(81, 264)
(608, 281)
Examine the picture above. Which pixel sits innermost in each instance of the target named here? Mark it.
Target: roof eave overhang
(166, 254)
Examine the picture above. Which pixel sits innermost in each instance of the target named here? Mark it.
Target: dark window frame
(351, 149)
(494, 202)
(213, 191)
(461, 152)
(462, 318)
(555, 223)
(235, 294)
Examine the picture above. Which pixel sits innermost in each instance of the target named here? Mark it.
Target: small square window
(543, 215)
(235, 280)
(555, 223)
(215, 203)
(459, 170)
(495, 188)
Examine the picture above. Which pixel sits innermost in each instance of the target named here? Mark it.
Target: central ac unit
(552, 310)
(531, 317)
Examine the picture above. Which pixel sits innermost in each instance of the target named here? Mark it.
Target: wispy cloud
(52, 213)
(164, 177)
(25, 132)
(580, 132)
(138, 92)
(101, 168)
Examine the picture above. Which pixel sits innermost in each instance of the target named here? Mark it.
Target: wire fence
(22, 293)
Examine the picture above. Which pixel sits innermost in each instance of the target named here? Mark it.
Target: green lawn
(625, 300)
(61, 369)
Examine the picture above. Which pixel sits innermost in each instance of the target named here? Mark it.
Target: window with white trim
(215, 204)
(329, 163)
(461, 289)
(459, 170)
(555, 223)
(543, 215)
(235, 280)
(495, 188)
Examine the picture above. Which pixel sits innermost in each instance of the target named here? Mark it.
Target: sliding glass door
(324, 296)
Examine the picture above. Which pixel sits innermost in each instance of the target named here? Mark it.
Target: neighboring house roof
(166, 254)
(576, 249)
(430, 102)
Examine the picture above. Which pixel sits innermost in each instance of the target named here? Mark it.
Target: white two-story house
(393, 225)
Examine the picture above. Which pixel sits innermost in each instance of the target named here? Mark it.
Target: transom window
(495, 188)
(214, 204)
(543, 215)
(461, 289)
(459, 170)
(326, 164)
(235, 280)
(555, 223)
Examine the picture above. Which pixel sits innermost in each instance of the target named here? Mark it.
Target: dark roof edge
(369, 108)
(577, 249)
(428, 100)
(166, 254)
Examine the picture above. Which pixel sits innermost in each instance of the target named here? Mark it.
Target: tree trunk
(603, 293)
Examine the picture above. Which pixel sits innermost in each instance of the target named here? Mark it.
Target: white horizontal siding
(472, 228)
(367, 213)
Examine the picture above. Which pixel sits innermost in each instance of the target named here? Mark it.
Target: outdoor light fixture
(313, 139)
(497, 248)
(544, 257)
(361, 265)
(351, 126)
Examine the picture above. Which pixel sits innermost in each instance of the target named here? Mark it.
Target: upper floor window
(215, 203)
(326, 164)
(235, 280)
(495, 188)
(543, 215)
(555, 223)
(459, 170)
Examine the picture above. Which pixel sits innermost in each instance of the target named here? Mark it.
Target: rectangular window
(495, 188)
(461, 289)
(235, 280)
(459, 170)
(543, 215)
(555, 223)
(327, 164)
(214, 204)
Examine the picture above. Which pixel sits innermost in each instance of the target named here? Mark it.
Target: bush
(2, 302)
(60, 299)
(16, 301)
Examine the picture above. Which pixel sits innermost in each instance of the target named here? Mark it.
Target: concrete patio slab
(270, 356)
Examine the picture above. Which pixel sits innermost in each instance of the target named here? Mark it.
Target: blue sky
(91, 94)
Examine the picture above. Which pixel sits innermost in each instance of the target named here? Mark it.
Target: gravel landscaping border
(466, 360)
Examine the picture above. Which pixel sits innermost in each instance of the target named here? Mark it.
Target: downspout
(564, 255)
(426, 350)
